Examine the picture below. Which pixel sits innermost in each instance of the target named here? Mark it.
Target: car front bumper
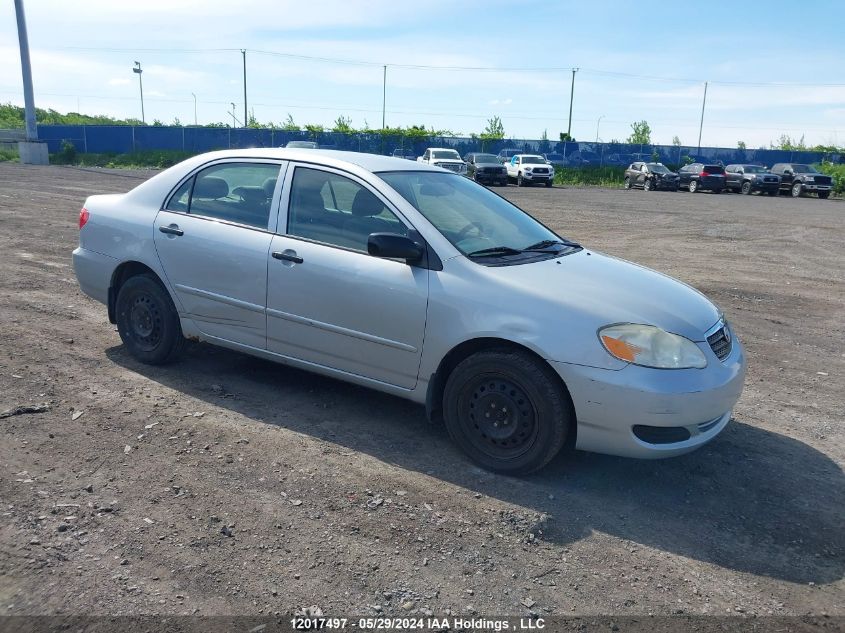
(693, 403)
(816, 188)
(536, 177)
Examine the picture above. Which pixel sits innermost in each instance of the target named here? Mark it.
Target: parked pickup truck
(527, 169)
(750, 178)
(799, 179)
(445, 158)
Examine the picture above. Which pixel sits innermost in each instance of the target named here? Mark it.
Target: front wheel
(549, 184)
(627, 183)
(648, 185)
(824, 195)
(746, 188)
(693, 186)
(796, 190)
(147, 321)
(507, 411)
(519, 181)
(774, 192)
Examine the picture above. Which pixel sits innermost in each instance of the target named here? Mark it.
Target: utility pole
(195, 107)
(384, 97)
(233, 114)
(137, 70)
(597, 127)
(26, 69)
(571, 97)
(701, 125)
(246, 119)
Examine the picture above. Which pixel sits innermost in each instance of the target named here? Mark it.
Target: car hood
(447, 160)
(608, 290)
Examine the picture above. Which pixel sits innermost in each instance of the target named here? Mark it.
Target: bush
(596, 176)
(68, 152)
(10, 155)
(838, 173)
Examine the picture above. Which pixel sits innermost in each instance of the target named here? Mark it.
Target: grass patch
(133, 160)
(838, 173)
(591, 176)
(10, 155)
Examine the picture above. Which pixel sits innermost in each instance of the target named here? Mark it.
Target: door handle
(171, 230)
(288, 257)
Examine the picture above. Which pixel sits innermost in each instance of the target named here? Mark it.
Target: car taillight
(704, 174)
(83, 217)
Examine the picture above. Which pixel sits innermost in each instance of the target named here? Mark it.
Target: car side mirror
(787, 172)
(393, 245)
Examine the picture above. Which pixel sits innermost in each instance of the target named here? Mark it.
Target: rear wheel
(147, 320)
(746, 188)
(824, 195)
(693, 186)
(796, 190)
(507, 411)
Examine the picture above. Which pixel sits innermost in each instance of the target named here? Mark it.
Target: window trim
(274, 202)
(283, 219)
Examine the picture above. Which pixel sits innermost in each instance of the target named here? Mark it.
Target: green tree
(566, 137)
(494, 131)
(676, 141)
(343, 125)
(740, 145)
(314, 130)
(290, 125)
(640, 133)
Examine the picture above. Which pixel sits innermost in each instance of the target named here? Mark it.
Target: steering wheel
(464, 232)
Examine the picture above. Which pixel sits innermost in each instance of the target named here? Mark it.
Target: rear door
(212, 239)
(329, 302)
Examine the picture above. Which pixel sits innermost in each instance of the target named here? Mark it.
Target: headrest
(210, 187)
(269, 186)
(310, 199)
(366, 204)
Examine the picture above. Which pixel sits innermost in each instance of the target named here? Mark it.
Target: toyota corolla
(418, 282)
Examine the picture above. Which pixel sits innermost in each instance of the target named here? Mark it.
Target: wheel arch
(465, 349)
(125, 271)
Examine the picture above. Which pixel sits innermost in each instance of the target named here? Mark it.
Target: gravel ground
(224, 484)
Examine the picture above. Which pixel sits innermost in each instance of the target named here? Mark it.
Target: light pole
(383, 96)
(195, 107)
(701, 125)
(233, 114)
(597, 127)
(571, 97)
(246, 118)
(137, 70)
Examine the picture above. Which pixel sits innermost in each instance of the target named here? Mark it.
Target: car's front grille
(770, 179)
(541, 170)
(720, 343)
(822, 180)
(661, 434)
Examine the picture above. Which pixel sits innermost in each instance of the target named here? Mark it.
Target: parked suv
(649, 176)
(750, 178)
(486, 168)
(797, 178)
(505, 155)
(699, 177)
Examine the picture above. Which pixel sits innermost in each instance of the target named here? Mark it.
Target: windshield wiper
(546, 243)
(495, 250)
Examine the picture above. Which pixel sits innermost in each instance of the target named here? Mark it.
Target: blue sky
(638, 61)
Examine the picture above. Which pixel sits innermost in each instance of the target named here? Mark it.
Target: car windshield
(804, 169)
(473, 218)
(446, 153)
(754, 169)
(486, 158)
(533, 160)
(657, 168)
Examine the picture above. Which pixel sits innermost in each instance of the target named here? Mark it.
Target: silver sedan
(418, 282)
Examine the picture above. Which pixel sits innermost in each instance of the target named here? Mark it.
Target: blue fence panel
(119, 139)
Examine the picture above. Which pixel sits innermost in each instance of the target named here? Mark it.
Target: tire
(824, 195)
(675, 188)
(627, 183)
(519, 181)
(746, 188)
(795, 191)
(533, 415)
(774, 192)
(693, 186)
(549, 184)
(717, 190)
(147, 321)
(648, 185)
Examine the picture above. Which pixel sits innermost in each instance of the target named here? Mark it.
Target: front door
(328, 301)
(213, 239)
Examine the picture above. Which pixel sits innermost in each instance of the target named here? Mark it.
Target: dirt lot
(226, 485)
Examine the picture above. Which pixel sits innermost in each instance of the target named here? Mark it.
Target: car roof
(336, 158)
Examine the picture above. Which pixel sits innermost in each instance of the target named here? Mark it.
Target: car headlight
(650, 346)
(809, 179)
(528, 168)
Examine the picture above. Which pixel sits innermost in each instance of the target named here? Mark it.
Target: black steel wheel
(507, 411)
(746, 188)
(147, 320)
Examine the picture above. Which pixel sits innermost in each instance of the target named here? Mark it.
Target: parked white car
(416, 282)
(445, 158)
(528, 169)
